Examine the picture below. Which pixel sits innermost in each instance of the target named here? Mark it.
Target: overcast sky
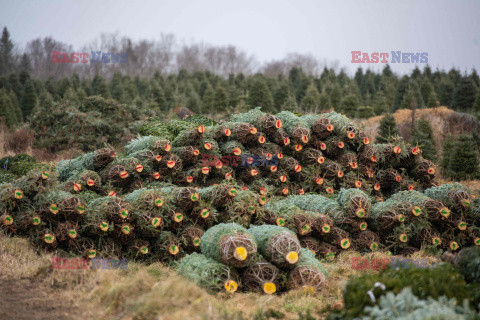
(449, 30)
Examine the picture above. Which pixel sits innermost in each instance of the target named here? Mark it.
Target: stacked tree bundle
(247, 203)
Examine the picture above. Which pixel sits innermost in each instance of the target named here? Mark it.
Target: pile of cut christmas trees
(253, 203)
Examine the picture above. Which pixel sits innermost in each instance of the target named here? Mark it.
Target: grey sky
(449, 30)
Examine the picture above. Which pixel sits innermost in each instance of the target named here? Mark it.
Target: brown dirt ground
(29, 299)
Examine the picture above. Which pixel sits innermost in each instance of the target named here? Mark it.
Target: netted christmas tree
(229, 243)
(278, 245)
(208, 273)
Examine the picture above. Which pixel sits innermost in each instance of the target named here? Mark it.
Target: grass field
(145, 291)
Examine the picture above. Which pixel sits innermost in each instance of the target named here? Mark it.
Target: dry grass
(403, 118)
(156, 292)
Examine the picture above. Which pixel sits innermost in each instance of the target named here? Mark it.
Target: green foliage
(29, 99)
(19, 164)
(6, 177)
(210, 245)
(341, 123)
(422, 135)
(387, 130)
(199, 119)
(406, 306)
(270, 243)
(259, 95)
(8, 110)
(441, 280)
(408, 95)
(205, 272)
(290, 121)
(463, 160)
(311, 100)
(350, 104)
(468, 263)
(141, 143)
(220, 99)
(464, 95)
(86, 126)
(365, 112)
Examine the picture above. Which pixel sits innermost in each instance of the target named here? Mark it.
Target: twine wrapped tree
(208, 273)
(263, 276)
(229, 243)
(168, 247)
(296, 219)
(296, 127)
(192, 238)
(320, 125)
(95, 161)
(420, 204)
(453, 195)
(355, 202)
(309, 273)
(278, 245)
(265, 122)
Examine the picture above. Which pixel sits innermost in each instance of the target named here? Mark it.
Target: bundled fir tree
(309, 273)
(208, 273)
(229, 243)
(278, 245)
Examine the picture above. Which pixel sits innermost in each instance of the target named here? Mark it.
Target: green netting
(205, 272)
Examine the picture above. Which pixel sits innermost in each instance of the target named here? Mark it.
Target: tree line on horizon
(210, 91)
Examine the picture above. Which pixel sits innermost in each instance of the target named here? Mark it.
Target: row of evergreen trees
(364, 95)
(459, 160)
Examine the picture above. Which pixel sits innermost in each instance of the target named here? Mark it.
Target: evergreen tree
(234, 96)
(447, 152)
(359, 79)
(464, 95)
(101, 88)
(208, 99)
(445, 91)
(290, 104)
(6, 54)
(476, 103)
(260, 96)
(324, 101)
(16, 105)
(116, 86)
(220, 99)
(476, 79)
(463, 162)
(349, 105)
(7, 111)
(192, 101)
(380, 103)
(300, 82)
(281, 95)
(422, 135)
(387, 130)
(408, 95)
(428, 93)
(71, 96)
(159, 96)
(29, 99)
(25, 64)
(311, 100)
(412, 99)
(335, 96)
(364, 112)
